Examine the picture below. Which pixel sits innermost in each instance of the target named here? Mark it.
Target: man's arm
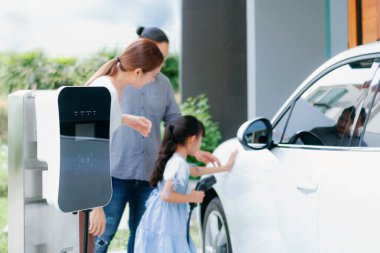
(172, 110)
(207, 157)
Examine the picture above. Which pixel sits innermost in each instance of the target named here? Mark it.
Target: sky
(79, 27)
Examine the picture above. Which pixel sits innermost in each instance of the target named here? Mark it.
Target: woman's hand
(197, 196)
(97, 222)
(138, 123)
(207, 157)
(231, 160)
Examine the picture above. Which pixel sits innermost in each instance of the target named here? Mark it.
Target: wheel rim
(216, 234)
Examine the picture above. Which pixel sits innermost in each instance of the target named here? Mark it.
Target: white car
(309, 180)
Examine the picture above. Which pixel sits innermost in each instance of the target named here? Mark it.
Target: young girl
(163, 225)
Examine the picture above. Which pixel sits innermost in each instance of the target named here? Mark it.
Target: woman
(138, 65)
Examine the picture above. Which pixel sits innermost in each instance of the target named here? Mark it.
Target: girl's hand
(139, 123)
(197, 196)
(97, 222)
(207, 157)
(231, 160)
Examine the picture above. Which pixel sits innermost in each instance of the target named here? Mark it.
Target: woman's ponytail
(108, 69)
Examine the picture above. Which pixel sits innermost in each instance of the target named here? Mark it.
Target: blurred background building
(248, 56)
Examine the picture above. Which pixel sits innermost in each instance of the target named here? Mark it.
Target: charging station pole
(59, 164)
(34, 226)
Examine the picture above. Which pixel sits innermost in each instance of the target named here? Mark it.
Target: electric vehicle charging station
(58, 162)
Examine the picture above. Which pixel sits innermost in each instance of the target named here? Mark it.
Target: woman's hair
(142, 53)
(176, 133)
(152, 33)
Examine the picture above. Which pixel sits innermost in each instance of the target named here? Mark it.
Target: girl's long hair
(143, 53)
(176, 133)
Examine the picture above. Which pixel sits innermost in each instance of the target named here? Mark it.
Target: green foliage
(86, 67)
(3, 171)
(199, 108)
(34, 70)
(3, 122)
(3, 183)
(171, 71)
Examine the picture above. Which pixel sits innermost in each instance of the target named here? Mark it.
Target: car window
(278, 129)
(326, 112)
(371, 136)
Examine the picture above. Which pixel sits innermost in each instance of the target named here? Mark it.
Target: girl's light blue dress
(162, 228)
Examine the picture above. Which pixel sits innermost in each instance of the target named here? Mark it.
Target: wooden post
(81, 234)
(352, 24)
(371, 20)
(363, 22)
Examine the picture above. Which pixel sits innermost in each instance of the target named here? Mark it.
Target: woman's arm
(139, 123)
(97, 222)
(200, 171)
(169, 195)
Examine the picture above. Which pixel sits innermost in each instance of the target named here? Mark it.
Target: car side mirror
(255, 134)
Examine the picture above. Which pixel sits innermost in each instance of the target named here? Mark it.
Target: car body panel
(267, 211)
(237, 188)
(349, 208)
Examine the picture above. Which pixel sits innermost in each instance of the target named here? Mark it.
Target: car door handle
(307, 186)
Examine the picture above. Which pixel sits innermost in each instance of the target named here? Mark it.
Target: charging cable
(202, 185)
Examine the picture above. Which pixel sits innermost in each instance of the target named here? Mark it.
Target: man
(339, 134)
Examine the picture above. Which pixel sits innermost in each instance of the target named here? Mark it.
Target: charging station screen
(85, 180)
(84, 131)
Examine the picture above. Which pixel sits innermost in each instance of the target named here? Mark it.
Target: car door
(313, 176)
(349, 211)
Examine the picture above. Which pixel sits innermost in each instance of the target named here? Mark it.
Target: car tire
(216, 237)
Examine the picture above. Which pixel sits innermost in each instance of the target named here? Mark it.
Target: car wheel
(216, 238)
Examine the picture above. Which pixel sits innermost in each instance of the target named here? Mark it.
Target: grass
(3, 157)
(3, 242)
(120, 240)
(3, 170)
(3, 197)
(194, 229)
(3, 223)
(3, 213)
